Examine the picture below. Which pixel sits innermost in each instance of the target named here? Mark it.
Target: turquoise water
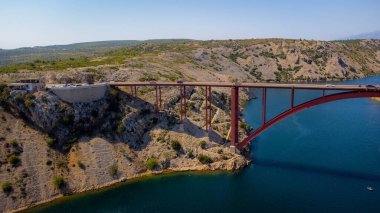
(320, 160)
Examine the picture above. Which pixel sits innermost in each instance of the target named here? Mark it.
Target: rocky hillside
(59, 52)
(49, 148)
(243, 60)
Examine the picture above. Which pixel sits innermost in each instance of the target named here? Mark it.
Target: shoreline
(129, 180)
(203, 169)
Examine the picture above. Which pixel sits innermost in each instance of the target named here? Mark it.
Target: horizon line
(187, 39)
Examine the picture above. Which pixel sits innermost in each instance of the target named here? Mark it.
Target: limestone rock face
(55, 117)
(108, 141)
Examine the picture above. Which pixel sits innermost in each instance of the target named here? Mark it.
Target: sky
(25, 23)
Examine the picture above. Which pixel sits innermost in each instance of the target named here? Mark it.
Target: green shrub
(114, 92)
(13, 143)
(176, 145)
(30, 96)
(120, 128)
(204, 159)
(267, 54)
(225, 157)
(161, 137)
(49, 162)
(18, 98)
(148, 77)
(50, 141)
(58, 182)
(153, 121)
(28, 100)
(14, 160)
(282, 55)
(28, 103)
(81, 165)
(203, 144)
(61, 163)
(152, 163)
(3, 87)
(220, 151)
(4, 94)
(6, 187)
(113, 170)
(190, 154)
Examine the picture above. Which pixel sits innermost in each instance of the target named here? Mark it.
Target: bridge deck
(255, 85)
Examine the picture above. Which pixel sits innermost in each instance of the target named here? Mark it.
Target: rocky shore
(63, 148)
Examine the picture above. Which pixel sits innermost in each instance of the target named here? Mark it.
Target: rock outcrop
(61, 120)
(103, 142)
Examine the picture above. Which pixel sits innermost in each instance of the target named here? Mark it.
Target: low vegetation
(267, 54)
(176, 145)
(4, 94)
(59, 182)
(162, 136)
(13, 143)
(204, 159)
(28, 100)
(148, 77)
(120, 128)
(152, 163)
(7, 187)
(113, 170)
(14, 160)
(81, 165)
(190, 154)
(62, 163)
(203, 144)
(50, 141)
(49, 162)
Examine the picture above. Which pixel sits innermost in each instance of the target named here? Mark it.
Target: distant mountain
(54, 52)
(372, 35)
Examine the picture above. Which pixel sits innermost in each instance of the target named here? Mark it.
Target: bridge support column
(182, 90)
(157, 101)
(208, 115)
(292, 99)
(180, 103)
(209, 108)
(159, 94)
(206, 110)
(234, 116)
(184, 101)
(264, 106)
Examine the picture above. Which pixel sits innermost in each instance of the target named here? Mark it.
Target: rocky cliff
(49, 148)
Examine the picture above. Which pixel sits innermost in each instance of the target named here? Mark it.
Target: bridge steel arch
(295, 109)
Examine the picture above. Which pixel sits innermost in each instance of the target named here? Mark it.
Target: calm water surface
(320, 160)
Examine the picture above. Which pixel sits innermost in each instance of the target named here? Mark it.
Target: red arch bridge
(341, 92)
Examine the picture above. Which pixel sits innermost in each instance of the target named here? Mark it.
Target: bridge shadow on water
(315, 169)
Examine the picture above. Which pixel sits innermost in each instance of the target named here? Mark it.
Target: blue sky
(47, 22)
